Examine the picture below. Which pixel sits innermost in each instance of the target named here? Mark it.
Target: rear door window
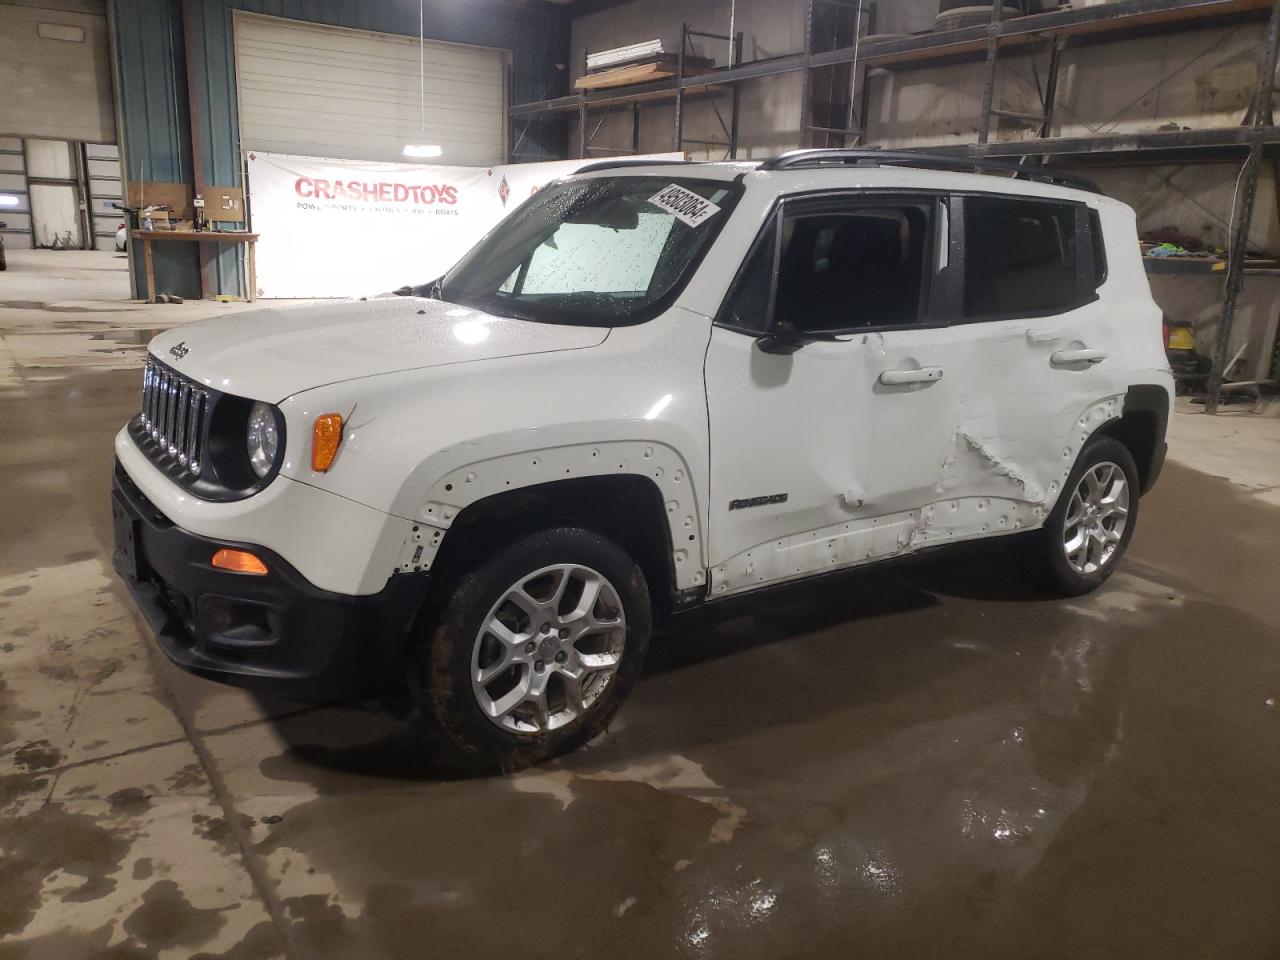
(1023, 257)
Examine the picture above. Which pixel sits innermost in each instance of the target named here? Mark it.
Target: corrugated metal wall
(152, 85)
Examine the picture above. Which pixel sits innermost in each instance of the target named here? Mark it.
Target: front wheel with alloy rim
(1090, 526)
(535, 648)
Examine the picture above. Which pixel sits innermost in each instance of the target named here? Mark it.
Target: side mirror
(783, 343)
(783, 340)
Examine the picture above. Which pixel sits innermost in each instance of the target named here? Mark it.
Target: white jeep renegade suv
(651, 387)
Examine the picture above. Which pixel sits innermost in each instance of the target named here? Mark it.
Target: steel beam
(678, 144)
(1243, 216)
(989, 71)
(736, 106)
(806, 86)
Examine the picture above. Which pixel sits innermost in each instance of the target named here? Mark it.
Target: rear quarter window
(1024, 256)
(1099, 249)
(1020, 257)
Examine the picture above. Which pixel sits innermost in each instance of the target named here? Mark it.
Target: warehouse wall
(151, 72)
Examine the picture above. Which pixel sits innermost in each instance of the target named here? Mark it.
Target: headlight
(262, 439)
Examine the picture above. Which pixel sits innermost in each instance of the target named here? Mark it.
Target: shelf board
(648, 93)
(1178, 145)
(1206, 267)
(1094, 21)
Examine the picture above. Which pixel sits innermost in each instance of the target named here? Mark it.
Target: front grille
(175, 413)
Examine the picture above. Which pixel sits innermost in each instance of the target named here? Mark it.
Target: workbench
(148, 237)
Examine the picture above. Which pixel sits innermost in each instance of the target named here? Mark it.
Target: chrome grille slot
(174, 416)
(183, 395)
(171, 414)
(196, 418)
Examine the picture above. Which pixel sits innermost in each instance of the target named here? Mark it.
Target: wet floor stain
(38, 755)
(165, 919)
(131, 801)
(50, 841)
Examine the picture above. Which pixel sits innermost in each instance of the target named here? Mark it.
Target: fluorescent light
(423, 150)
(9, 200)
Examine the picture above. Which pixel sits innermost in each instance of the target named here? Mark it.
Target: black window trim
(926, 308)
(1100, 265)
(1085, 218)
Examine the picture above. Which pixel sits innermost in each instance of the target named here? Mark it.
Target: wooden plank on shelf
(634, 73)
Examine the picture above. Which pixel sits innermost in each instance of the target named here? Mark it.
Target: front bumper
(278, 632)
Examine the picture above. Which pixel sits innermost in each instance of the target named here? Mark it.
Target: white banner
(348, 228)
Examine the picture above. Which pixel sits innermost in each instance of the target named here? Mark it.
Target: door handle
(1067, 358)
(897, 378)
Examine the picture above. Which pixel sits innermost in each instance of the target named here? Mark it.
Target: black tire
(4, 264)
(440, 676)
(1046, 546)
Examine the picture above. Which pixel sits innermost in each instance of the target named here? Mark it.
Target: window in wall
(1020, 256)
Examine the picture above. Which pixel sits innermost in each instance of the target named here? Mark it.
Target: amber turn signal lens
(325, 437)
(238, 561)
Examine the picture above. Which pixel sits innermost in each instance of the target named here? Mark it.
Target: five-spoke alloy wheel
(548, 649)
(534, 647)
(1089, 528)
(1097, 516)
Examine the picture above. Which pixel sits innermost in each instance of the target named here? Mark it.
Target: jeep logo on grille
(179, 350)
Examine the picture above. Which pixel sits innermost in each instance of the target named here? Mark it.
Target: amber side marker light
(325, 438)
(239, 561)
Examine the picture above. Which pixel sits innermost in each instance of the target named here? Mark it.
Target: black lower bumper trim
(278, 633)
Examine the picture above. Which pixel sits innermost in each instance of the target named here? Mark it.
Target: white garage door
(333, 92)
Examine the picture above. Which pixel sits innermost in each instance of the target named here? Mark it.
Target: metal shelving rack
(1256, 139)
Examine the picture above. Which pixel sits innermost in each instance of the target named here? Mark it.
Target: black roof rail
(929, 161)
(630, 162)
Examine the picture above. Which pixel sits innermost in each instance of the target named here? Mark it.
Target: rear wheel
(1091, 525)
(535, 648)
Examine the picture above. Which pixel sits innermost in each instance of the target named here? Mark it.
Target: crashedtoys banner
(345, 228)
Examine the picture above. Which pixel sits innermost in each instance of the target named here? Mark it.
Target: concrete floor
(925, 762)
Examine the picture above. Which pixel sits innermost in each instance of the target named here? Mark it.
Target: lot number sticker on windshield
(684, 204)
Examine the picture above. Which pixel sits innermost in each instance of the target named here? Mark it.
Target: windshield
(601, 252)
